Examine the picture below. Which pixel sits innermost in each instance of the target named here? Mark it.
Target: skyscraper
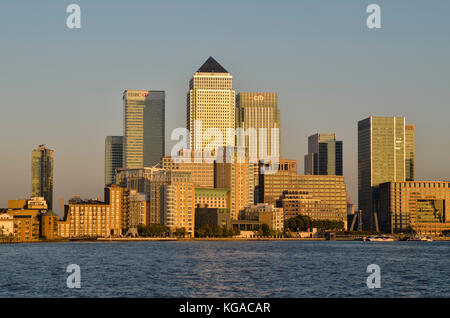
(144, 128)
(385, 153)
(259, 111)
(42, 174)
(324, 155)
(210, 106)
(410, 153)
(113, 157)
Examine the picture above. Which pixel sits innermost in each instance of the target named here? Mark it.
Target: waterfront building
(34, 203)
(94, 218)
(144, 128)
(139, 210)
(211, 106)
(212, 198)
(420, 207)
(49, 225)
(6, 225)
(385, 153)
(324, 155)
(172, 200)
(212, 217)
(26, 224)
(113, 157)
(179, 207)
(42, 174)
(300, 202)
(265, 214)
(30, 219)
(329, 189)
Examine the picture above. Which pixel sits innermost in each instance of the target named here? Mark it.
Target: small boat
(421, 239)
(380, 238)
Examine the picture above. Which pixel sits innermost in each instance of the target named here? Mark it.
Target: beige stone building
(415, 206)
(6, 224)
(26, 224)
(265, 214)
(202, 172)
(139, 209)
(212, 198)
(329, 189)
(91, 218)
(237, 176)
(300, 202)
(179, 207)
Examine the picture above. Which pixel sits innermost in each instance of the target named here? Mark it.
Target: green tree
(180, 232)
(266, 231)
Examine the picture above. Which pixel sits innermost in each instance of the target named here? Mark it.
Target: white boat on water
(421, 239)
(380, 238)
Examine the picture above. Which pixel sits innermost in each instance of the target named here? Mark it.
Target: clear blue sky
(64, 87)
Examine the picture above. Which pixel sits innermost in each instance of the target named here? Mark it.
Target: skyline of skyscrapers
(144, 128)
(42, 174)
(382, 157)
(113, 157)
(210, 107)
(164, 189)
(325, 155)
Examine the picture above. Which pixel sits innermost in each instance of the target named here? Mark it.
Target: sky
(63, 87)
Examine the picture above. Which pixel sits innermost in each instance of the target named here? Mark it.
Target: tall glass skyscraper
(324, 155)
(42, 174)
(211, 103)
(260, 111)
(113, 157)
(385, 153)
(144, 128)
(410, 153)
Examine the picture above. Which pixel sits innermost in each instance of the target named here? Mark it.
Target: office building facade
(259, 117)
(113, 157)
(144, 128)
(419, 207)
(385, 152)
(211, 107)
(325, 155)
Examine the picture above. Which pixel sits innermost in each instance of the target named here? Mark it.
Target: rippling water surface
(226, 269)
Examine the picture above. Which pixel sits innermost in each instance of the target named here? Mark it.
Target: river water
(226, 269)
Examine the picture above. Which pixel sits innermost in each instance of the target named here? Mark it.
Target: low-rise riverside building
(6, 225)
(265, 214)
(213, 197)
(212, 217)
(420, 207)
(92, 218)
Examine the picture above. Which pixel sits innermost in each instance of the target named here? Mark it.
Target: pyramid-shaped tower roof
(212, 66)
